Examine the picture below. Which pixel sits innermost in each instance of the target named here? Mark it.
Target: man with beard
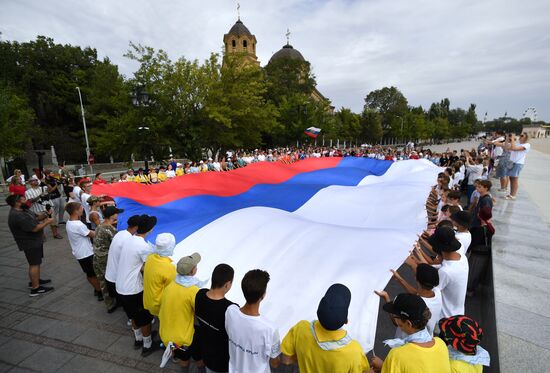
(27, 229)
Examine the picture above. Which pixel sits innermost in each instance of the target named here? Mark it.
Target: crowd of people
(198, 323)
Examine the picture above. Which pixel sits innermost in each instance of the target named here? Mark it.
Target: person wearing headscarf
(462, 336)
(158, 272)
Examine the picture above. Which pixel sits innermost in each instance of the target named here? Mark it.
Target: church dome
(287, 52)
(239, 29)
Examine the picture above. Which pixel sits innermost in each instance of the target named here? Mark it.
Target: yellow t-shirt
(177, 314)
(141, 179)
(179, 171)
(157, 274)
(411, 358)
(301, 343)
(162, 177)
(459, 366)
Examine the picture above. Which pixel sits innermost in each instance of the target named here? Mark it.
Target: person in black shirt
(210, 306)
(453, 158)
(485, 201)
(27, 230)
(443, 161)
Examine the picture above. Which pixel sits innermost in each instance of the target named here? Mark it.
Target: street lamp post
(85, 130)
(401, 133)
(140, 98)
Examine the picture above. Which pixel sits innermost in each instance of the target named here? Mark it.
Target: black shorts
(87, 265)
(34, 256)
(192, 351)
(133, 306)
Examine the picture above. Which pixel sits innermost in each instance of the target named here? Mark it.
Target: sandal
(510, 198)
(58, 236)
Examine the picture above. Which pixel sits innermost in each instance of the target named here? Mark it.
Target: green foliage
(508, 125)
(371, 126)
(392, 106)
(15, 122)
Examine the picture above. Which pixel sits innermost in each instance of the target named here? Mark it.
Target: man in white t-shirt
(79, 238)
(86, 193)
(518, 152)
(114, 252)
(254, 342)
(129, 283)
(453, 273)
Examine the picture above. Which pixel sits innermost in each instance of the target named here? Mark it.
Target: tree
(15, 122)
(389, 103)
(236, 112)
(371, 126)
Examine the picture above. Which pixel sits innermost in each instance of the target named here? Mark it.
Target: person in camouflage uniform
(104, 234)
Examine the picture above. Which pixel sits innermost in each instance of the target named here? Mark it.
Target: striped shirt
(36, 206)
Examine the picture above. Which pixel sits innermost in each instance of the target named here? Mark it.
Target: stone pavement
(521, 262)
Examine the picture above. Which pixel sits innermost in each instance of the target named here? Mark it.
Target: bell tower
(239, 39)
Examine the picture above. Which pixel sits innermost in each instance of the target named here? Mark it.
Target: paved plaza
(68, 330)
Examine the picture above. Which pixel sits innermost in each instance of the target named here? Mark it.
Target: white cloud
(493, 53)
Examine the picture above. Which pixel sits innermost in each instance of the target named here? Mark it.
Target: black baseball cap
(427, 275)
(444, 239)
(406, 306)
(146, 223)
(462, 218)
(333, 307)
(111, 210)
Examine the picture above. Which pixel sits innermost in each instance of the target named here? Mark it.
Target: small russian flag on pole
(312, 132)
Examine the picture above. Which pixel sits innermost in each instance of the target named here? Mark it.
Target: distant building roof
(239, 29)
(287, 51)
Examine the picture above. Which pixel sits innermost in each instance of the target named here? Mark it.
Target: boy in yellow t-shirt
(418, 352)
(177, 313)
(462, 335)
(162, 174)
(321, 345)
(158, 272)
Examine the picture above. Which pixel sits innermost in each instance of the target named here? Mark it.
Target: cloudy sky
(495, 53)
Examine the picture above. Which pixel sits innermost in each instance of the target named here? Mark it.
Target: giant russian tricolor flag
(309, 224)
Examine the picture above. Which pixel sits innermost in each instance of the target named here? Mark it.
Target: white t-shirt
(129, 280)
(76, 191)
(79, 240)
(434, 304)
(474, 173)
(170, 174)
(84, 200)
(465, 238)
(518, 156)
(114, 254)
(253, 340)
(453, 281)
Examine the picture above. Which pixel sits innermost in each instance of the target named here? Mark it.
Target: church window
(233, 43)
(245, 44)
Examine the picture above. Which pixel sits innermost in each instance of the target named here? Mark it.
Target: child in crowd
(322, 345)
(158, 272)
(427, 280)
(462, 336)
(249, 331)
(210, 308)
(418, 352)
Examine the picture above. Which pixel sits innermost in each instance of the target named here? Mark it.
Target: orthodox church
(239, 39)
